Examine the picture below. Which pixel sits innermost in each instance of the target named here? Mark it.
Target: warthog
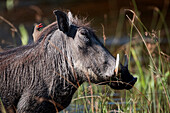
(42, 77)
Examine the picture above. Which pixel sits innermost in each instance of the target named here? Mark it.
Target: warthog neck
(37, 70)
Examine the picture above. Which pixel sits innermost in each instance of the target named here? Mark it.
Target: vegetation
(149, 62)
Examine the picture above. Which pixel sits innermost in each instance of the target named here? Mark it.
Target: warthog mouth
(119, 84)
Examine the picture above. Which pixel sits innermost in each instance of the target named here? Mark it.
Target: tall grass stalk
(158, 72)
(24, 34)
(137, 61)
(2, 108)
(9, 4)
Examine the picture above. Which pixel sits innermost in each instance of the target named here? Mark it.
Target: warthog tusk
(117, 64)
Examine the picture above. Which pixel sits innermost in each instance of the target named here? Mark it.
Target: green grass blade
(24, 34)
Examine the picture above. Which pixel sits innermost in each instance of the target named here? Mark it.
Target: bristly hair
(8, 55)
(78, 22)
(72, 20)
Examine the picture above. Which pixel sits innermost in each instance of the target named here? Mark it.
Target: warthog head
(89, 57)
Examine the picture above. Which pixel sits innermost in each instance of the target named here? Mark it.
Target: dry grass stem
(91, 91)
(92, 96)
(67, 60)
(132, 22)
(104, 36)
(9, 23)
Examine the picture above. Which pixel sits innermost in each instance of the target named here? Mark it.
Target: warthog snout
(123, 79)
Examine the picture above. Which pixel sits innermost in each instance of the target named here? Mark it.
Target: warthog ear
(62, 20)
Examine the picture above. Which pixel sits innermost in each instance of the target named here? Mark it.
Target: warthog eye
(84, 35)
(84, 32)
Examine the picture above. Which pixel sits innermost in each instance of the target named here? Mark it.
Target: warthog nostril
(132, 82)
(134, 79)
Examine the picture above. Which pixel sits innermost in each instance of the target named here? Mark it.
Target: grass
(24, 34)
(149, 62)
(2, 108)
(151, 93)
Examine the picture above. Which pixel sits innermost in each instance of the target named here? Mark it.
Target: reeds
(151, 93)
(147, 61)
